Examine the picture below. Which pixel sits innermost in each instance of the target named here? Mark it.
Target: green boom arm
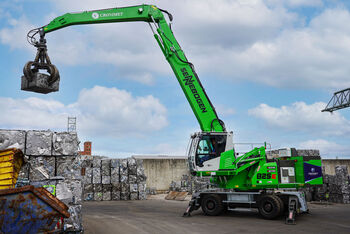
(184, 70)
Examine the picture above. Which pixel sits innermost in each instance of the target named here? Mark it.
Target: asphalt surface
(162, 216)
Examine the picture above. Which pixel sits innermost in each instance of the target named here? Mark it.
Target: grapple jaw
(33, 80)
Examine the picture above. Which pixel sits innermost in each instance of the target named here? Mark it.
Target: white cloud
(100, 111)
(32, 113)
(114, 112)
(327, 148)
(301, 117)
(259, 41)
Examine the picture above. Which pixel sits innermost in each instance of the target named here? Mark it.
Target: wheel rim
(268, 207)
(210, 205)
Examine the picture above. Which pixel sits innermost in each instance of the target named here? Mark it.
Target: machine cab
(205, 150)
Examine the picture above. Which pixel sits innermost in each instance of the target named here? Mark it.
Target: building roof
(158, 157)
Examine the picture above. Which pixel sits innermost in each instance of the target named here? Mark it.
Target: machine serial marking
(189, 82)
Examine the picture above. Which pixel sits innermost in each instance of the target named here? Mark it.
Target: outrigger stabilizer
(32, 79)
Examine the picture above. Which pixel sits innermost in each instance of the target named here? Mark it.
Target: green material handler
(248, 180)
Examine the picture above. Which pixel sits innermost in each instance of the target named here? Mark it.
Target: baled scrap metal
(41, 167)
(106, 190)
(39, 143)
(142, 196)
(106, 180)
(124, 167)
(134, 196)
(87, 177)
(115, 175)
(77, 190)
(88, 192)
(140, 171)
(133, 188)
(115, 163)
(24, 172)
(132, 179)
(70, 191)
(69, 167)
(124, 196)
(125, 191)
(12, 139)
(308, 152)
(116, 188)
(96, 175)
(75, 221)
(65, 143)
(96, 162)
(132, 167)
(98, 192)
(141, 191)
(106, 167)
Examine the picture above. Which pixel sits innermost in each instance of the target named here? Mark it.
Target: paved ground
(161, 216)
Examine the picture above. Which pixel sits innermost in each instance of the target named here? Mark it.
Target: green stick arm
(183, 69)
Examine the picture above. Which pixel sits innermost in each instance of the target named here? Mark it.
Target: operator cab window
(209, 147)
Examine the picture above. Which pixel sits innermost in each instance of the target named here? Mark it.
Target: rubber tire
(275, 205)
(215, 201)
(282, 205)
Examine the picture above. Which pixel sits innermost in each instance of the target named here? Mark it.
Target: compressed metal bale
(39, 143)
(64, 193)
(134, 196)
(132, 179)
(106, 190)
(124, 196)
(86, 162)
(106, 167)
(142, 196)
(124, 179)
(69, 167)
(140, 171)
(115, 163)
(75, 220)
(141, 187)
(12, 139)
(65, 143)
(96, 162)
(308, 152)
(115, 175)
(87, 177)
(76, 187)
(96, 175)
(116, 191)
(88, 192)
(98, 192)
(132, 167)
(106, 180)
(133, 188)
(24, 172)
(41, 168)
(123, 167)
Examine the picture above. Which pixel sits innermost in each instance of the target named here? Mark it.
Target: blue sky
(269, 67)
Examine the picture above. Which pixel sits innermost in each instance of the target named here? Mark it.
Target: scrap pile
(46, 154)
(336, 188)
(191, 184)
(52, 161)
(113, 179)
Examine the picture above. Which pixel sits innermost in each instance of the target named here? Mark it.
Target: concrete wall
(329, 165)
(160, 171)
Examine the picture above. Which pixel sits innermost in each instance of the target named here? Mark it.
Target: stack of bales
(336, 187)
(51, 162)
(114, 179)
